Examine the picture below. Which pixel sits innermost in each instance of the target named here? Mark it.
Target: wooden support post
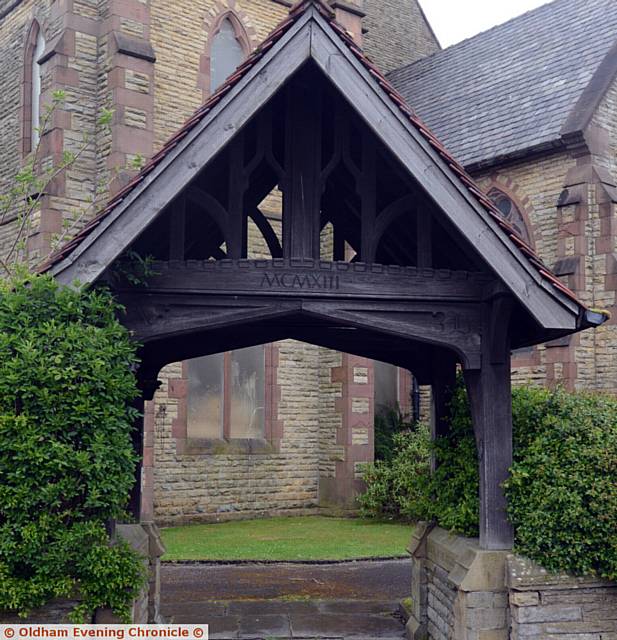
(424, 229)
(302, 194)
(443, 383)
(177, 229)
(338, 251)
(237, 240)
(490, 397)
(368, 193)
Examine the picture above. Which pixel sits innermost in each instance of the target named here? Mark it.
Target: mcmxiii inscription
(301, 281)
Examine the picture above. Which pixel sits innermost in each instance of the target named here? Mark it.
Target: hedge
(66, 459)
(562, 491)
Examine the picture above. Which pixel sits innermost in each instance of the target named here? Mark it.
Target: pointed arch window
(35, 48)
(228, 50)
(510, 211)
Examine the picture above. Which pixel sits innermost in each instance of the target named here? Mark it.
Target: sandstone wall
(397, 33)
(14, 30)
(463, 593)
(196, 483)
(550, 607)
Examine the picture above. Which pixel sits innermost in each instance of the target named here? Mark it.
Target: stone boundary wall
(557, 606)
(461, 592)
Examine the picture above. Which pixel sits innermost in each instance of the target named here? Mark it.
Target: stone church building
(528, 107)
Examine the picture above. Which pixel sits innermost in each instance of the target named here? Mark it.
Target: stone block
(493, 634)
(524, 599)
(489, 619)
(479, 599)
(551, 613)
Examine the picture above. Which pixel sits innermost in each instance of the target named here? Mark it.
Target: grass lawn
(306, 538)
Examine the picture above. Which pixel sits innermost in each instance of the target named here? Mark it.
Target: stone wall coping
(522, 574)
(136, 536)
(416, 547)
(469, 567)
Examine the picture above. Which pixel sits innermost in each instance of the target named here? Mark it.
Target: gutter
(592, 318)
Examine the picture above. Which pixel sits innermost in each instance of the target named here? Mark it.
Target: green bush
(395, 488)
(388, 423)
(66, 459)
(562, 491)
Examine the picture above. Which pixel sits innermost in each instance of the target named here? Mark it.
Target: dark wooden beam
(424, 226)
(490, 396)
(177, 228)
(302, 193)
(236, 237)
(315, 278)
(264, 226)
(367, 188)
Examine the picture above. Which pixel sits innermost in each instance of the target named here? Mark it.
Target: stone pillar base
(458, 590)
(146, 540)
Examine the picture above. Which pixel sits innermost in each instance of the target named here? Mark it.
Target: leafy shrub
(66, 459)
(562, 492)
(388, 423)
(395, 488)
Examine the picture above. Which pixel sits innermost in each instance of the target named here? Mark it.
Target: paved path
(336, 601)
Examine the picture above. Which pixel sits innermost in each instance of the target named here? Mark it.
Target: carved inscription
(301, 281)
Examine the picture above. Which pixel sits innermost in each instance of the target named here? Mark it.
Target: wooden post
(490, 397)
(367, 187)
(443, 382)
(237, 238)
(302, 193)
(177, 229)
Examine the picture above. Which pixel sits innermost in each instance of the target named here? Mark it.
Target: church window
(226, 53)
(386, 387)
(510, 212)
(32, 88)
(226, 395)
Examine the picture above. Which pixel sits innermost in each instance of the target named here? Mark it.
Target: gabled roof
(311, 33)
(528, 84)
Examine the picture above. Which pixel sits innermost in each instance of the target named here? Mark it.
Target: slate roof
(514, 87)
(326, 12)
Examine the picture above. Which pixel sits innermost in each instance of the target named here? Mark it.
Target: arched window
(510, 212)
(36, 87)
(227, 52)
(35, 47)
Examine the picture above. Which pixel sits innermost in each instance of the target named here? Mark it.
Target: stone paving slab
(252, 620)
(367, 580)
(366, 607)
(346, 626)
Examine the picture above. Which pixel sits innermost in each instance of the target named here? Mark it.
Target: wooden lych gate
(384, 247)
